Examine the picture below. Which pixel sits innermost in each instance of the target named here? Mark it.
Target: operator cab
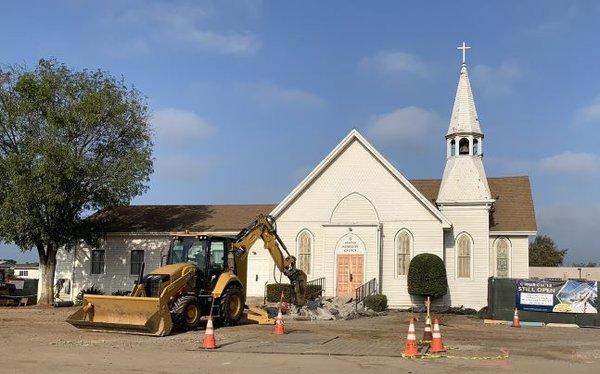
(208, 253)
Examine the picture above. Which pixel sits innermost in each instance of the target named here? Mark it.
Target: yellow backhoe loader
(203, 274)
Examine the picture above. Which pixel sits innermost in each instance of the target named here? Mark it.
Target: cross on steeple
(464, 52)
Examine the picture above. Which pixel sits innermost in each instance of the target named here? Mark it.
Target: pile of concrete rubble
(332, 308)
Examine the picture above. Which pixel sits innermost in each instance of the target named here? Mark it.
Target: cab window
(189, 250)
(217, 255)
(197, 255)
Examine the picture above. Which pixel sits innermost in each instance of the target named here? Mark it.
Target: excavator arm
(265, 228)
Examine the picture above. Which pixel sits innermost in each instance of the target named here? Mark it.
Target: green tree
(543, 251)
(71, 143)
(427, 276)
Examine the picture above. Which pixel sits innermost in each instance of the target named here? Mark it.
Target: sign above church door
(350, 243)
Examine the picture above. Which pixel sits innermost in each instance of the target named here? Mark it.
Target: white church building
(354, 218)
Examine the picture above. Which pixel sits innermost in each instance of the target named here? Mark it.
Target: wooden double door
(350, 274)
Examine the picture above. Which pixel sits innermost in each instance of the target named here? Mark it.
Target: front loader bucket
(135, 315)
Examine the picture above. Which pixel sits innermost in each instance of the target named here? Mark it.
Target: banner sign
(568, 296)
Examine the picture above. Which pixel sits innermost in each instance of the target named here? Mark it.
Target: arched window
(403, 250)
(475, 147)
(464, 251)
(304, 245)
(453, 147)
(463, 146)
(502, 258)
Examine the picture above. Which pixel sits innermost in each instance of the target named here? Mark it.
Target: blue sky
(248, 96)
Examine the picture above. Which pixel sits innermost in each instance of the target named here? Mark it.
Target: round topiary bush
(427, 276)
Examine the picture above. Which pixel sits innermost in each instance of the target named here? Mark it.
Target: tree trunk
(48, 268)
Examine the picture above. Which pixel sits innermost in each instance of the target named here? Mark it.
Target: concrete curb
(523, 323)
(571, 325)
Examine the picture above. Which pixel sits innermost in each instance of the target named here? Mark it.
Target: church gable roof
(354, 135)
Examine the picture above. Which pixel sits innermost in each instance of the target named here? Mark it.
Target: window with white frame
(23, 273)
(403, 249)
(304, 250)
(464, 248)
(97, 262)
(502, 258)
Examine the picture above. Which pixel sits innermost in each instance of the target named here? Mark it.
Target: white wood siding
(260, 270)
(470, 292)
(117, 262)
(354, 208)
(518, 255)
(427, 238)
(64, 270)
(519, 259)
(31, 273)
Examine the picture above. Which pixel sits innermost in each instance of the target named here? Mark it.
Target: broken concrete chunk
(313, 304)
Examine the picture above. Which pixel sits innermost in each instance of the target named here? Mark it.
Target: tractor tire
(231, 306)
(186, 313)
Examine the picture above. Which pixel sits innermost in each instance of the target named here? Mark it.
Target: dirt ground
(38, 340)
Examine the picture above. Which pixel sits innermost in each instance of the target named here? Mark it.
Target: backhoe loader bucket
(259, 315)
(135, 315)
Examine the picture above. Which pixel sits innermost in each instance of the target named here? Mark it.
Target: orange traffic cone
(427, 333)
(410, 347)
(516, 322)
(279, 326)
(436, 341)
(208, 342)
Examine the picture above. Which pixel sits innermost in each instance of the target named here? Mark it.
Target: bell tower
(464, 179)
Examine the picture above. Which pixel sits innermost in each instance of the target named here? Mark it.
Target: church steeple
(464, 136)
(464, 177)
(464, 114)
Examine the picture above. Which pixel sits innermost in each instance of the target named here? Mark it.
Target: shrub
(484, 313)
(377, 302)
(427, 276)
(88, 291)
(274, 291)
(121, 293)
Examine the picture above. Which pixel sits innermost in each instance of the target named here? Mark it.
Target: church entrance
(349, 274)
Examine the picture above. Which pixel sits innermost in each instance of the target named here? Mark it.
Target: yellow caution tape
(503, 356)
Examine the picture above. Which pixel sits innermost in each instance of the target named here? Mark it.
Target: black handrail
(365, 290)
(318, 282)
